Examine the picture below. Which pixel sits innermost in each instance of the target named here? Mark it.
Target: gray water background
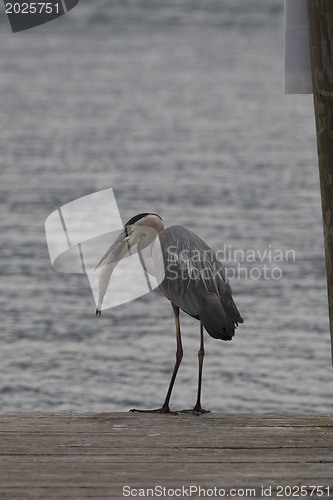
(180, 109)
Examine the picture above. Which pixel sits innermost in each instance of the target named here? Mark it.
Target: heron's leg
(201, 353)
(179, 356)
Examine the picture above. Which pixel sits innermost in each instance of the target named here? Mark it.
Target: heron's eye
(127, 231)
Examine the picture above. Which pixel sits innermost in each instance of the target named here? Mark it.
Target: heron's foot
(196, 410)
(163, 409)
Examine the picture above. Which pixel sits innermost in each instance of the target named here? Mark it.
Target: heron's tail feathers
(215, 320)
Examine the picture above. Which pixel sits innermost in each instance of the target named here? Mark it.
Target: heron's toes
(163, 409)
(196, 411)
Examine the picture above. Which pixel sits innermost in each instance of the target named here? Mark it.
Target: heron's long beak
(144, 237)
(118, 248)
(111, 259)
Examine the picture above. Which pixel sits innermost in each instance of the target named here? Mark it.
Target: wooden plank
(78, 456)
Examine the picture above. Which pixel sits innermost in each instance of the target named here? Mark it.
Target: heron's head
(152, 221)
(140, 230)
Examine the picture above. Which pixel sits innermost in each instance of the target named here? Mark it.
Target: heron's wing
(195, 280)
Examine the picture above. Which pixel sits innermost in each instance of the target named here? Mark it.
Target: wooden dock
(122, 455)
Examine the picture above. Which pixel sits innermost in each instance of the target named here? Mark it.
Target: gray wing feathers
(195, 281)
(215, 319)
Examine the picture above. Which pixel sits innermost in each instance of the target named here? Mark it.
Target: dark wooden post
(320, 20)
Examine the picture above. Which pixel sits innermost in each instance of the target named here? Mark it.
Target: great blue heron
(195, 282)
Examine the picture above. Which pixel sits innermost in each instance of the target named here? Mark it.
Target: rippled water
(180, 109)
